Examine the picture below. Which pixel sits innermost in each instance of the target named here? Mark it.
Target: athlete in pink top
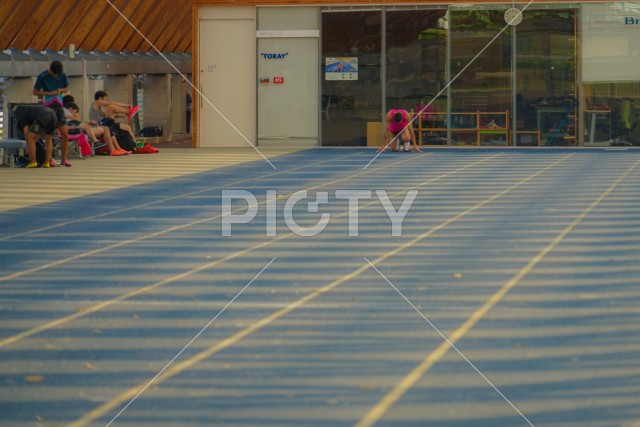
(398, 125)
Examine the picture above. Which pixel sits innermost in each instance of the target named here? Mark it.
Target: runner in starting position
(398, 126)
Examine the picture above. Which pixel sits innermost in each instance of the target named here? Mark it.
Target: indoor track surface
(508, 295)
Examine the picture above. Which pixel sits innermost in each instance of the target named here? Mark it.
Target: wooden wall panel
(48, 32)
(8, 10)
(91, 22)
(148, 26)
(119, 24)
(181, 42)
(66, 27)
(128, 34)
(185, 45)
(36, 27)
(94, 24)
(195, 76)
(17, 19)
(104, 20)
(365, 2)
(168, 39)
(166, 14)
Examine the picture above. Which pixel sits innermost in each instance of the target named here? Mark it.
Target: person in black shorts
(51, 84)
(37, 121)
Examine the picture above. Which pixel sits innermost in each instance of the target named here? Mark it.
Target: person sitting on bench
(106, 112)
(93, 130)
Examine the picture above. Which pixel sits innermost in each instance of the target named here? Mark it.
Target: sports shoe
(65, 163)
(32, 165)
(147, 149)
(52, 163)
(133, 111)
(116, 153)
(47, 165)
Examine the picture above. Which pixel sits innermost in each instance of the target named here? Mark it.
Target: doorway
(227, 104)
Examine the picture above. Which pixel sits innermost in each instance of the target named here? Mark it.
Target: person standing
(189, 102)
(38, 121)
(51, 84)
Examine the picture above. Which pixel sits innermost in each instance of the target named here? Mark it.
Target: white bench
(12, 146)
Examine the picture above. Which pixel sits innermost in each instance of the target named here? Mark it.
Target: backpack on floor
(150, 131)
(124, 138)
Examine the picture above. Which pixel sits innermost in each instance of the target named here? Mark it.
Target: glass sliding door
(351, 76)
(491, 86)
(487, 82)
(416, 58)
(481, 91)
(546, 88)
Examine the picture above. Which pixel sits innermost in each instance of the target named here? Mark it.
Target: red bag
(83, 144)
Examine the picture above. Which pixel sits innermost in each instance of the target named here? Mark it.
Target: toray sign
(274, 55)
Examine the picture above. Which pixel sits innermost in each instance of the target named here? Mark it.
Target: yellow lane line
(152, 235)
(378, 411)
(97, 307)
(155, 202)
(127, 395)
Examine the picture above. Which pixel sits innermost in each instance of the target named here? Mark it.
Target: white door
(288, 106)
(227, 104)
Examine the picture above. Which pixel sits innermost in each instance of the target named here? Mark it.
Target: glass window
(416, 43)
(612, 114)
(611, 88)
(351, 76)
(481, 91)
(546, 63)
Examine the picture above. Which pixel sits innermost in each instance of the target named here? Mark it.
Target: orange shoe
(115, 153)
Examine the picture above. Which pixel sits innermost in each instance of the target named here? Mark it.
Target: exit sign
(278, 80)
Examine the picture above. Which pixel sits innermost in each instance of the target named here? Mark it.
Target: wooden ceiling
(96, 25)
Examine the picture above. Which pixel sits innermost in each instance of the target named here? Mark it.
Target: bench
(13, 146)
